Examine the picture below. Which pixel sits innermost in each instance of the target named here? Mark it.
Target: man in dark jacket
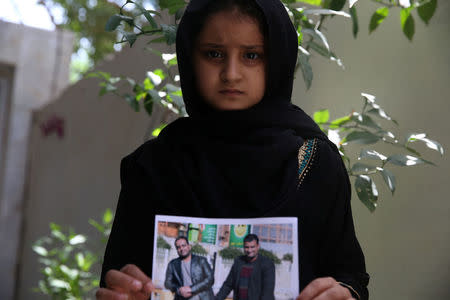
(252, 276)
(189, 276)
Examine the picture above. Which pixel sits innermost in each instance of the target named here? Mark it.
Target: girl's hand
(130, 283)
(325, 289)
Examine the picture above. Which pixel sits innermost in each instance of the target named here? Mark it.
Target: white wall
(407, 239)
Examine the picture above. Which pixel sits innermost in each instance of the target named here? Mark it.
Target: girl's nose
(231, 71)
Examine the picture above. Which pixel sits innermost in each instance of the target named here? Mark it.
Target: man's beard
(249, 258)
(184, 256)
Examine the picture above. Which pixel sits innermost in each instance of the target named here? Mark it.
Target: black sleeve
(228, 284)
(170, 282)
(268, 282)
(208, 278)
(131, 238)
(341, 256)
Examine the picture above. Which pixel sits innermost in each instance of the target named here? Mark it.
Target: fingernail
(137, 284)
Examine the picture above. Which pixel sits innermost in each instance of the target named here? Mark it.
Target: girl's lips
(231, 92)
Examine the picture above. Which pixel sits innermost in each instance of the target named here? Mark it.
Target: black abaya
(242, 164)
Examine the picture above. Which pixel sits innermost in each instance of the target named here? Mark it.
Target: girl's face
(229, 61)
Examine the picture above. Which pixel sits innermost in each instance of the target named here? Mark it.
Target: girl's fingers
(137, 273)
(106, 294)
(336, 292)
(316, 287)
(122, 282)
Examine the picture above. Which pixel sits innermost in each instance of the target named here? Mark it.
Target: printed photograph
(206, 259)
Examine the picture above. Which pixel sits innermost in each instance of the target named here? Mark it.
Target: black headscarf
(242, 158)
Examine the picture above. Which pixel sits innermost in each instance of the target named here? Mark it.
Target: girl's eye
(252, 55)
(213, 54)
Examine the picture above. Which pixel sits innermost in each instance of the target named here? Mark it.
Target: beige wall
(76, 177)
(407, 239)
(38, 61)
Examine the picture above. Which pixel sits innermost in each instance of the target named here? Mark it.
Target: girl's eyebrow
(214, 45)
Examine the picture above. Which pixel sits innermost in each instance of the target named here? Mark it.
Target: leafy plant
(364, 128)
(288, 257)
(230, 253)
(273, 257)
(198, 249)
(162, 243)
(68, 263)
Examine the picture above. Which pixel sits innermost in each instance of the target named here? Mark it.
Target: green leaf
(170, 33)
(389, 179)
(322, 12)
(71, 273)
(355, 25)
(406, 160)
(371, 154)
(79, 257)
(57, 283)
(337, 4)
(148, 104)
(362, 168)
(413, 151)
(305, 66)
(365, 120)
(55, 227)
(157, 131)
(339, 122)
(132, 101)
(318, 35)
(325, 53)
(107, 216)
(130, 38)
(179, 14)
(351, 3)
(148, 85)
(367, 191)
(40, 250)
(97, 225)
(361, 137)
(155, 95)
(78, 239)
(407, 22)
(147, 15)
(423, 138)
(377, 18)
(113, 22)
(160, 73)
(172, 5)
(311, 2)
(426, 10)
(58, 234)
(322, 116)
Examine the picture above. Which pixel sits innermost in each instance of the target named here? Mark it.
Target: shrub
(270, 255)
(162, 243)
(230, 253)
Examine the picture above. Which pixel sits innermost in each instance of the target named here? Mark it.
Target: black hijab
(246, 159)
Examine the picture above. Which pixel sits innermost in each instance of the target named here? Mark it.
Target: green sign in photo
(237, 235)
(209, 234)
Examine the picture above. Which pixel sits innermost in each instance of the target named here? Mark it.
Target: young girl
(244, 151)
